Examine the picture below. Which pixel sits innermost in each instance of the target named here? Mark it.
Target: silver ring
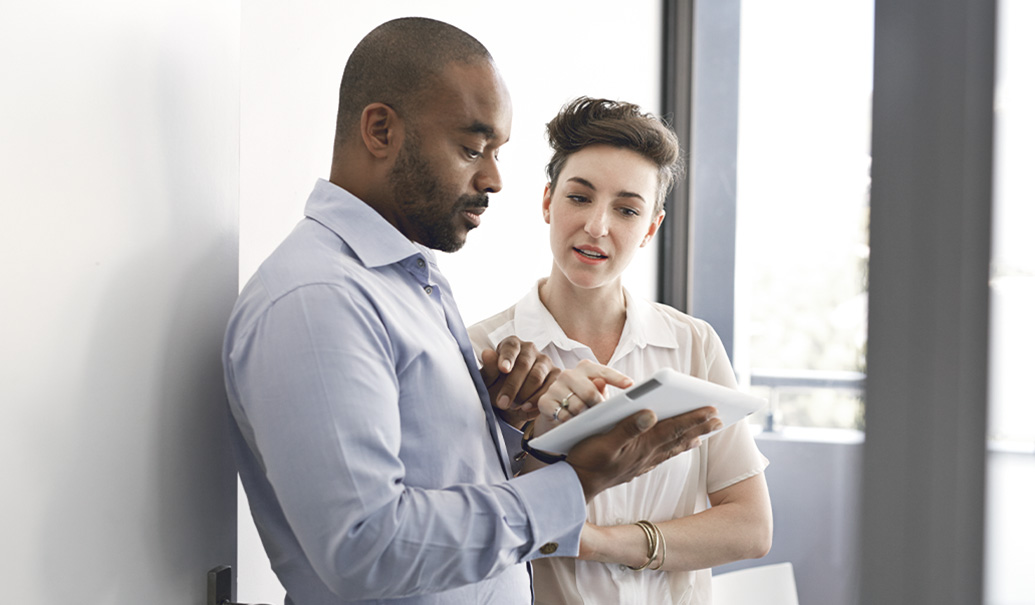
(562, 406)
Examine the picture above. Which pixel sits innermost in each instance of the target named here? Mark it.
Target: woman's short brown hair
(585, 121)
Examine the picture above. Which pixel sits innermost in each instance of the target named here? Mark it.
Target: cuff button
(549, 548)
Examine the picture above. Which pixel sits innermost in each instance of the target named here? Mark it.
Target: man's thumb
(640, 422)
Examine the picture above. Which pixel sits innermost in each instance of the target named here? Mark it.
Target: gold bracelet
(650, 530)
(664, 548)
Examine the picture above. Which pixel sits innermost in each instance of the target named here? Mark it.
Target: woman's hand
(575, 391)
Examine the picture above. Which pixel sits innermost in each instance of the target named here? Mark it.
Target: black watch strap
(544, 457)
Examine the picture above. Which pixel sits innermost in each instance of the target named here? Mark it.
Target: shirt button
(549, 548)
(420, 263)
(427, 289)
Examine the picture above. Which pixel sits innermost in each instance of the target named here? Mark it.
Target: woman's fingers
(610, 376)
(578, 389)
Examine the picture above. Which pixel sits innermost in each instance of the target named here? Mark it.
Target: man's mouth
(473, 215)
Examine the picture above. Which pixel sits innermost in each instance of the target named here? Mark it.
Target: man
(374, 463)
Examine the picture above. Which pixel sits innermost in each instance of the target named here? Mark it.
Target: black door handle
(221, 586)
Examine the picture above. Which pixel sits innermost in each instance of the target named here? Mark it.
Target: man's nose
(488, 179)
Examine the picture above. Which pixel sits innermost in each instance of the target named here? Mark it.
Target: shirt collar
(644, 326)
(375, 241)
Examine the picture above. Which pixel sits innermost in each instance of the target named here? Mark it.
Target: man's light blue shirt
(371, 459)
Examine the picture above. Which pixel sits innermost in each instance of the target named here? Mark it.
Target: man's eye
(471, 153)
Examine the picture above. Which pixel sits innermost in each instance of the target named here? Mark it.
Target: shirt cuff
(556, 509)
(511, 439)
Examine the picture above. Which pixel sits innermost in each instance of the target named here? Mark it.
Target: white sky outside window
(1009, 526)
(806, 80)
(1012, 402)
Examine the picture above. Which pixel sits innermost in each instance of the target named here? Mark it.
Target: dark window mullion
(700, 88)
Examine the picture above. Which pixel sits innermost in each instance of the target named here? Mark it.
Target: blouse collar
(645, 325)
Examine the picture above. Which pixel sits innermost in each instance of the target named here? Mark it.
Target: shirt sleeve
(316, 396)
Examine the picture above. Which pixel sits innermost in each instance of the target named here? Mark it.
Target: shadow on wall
(165, 456)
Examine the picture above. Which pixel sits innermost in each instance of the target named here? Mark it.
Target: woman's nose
(597, 225)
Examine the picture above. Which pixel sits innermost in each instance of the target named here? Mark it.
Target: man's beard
(426, 204)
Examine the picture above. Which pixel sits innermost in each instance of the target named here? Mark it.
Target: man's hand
(636, 445)
(517, 375)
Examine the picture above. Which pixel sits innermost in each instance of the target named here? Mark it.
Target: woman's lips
(589, 254)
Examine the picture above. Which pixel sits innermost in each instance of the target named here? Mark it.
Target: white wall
(292, 55)
(118, 263)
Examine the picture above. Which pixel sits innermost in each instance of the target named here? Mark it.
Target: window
(1011, 419)
(777, 248)
(779, 142)
(803, 206)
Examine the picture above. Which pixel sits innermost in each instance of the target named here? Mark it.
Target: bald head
(396, 63)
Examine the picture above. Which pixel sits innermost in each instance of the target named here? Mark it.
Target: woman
(611, 169)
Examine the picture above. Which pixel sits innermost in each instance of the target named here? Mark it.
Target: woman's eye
(578, 199)
(629, 212)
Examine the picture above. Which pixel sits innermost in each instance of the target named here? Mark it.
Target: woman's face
(601, 210)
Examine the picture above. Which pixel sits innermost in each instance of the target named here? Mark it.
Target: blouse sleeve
(479, 336)
(732, 453)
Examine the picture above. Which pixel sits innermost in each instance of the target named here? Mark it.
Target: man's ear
(380, 129)
(546, 204)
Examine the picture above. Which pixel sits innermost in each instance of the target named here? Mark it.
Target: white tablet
(669, 393)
